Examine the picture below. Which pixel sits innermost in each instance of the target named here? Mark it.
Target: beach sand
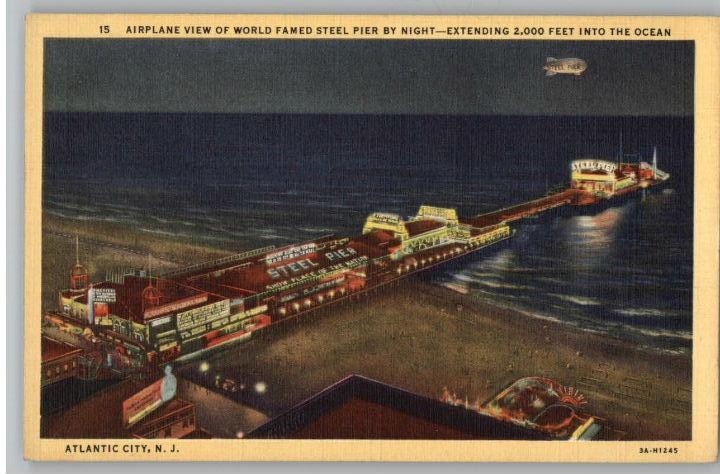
(414, 335)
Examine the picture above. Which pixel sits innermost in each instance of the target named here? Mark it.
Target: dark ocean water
(252, 180)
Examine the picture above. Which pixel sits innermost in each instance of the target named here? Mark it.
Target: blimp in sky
(574, 66)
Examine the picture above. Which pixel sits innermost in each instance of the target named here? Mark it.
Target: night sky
(367, 77)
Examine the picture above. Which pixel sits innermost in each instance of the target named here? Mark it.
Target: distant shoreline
(687, 352)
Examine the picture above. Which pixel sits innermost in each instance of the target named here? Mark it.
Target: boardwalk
(526, 209)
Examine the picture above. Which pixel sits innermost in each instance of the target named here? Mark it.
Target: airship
(564, 66)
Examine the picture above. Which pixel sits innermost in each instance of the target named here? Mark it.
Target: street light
(260, 387)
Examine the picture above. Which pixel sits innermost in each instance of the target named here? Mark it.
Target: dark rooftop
(421, 226)
(100, 416)
(52, 349)
(361, 408)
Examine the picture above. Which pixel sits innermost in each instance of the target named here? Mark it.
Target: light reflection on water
(604, 272)
(589, 240)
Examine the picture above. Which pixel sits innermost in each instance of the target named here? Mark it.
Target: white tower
(654, 164)
(91, 305)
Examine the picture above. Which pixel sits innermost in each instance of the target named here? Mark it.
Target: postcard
(377, 238)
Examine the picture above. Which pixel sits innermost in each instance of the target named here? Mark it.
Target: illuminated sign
(164, 338)
(289, 297)
(299, 266)
(300, 280)
(340, 254)
(249, 313)
(385, 221)
(169, 345)
(593, 165)
(256, 310)
(384, 218)
(203, 315)
(159, 321)
(195, 332)
(290, 253)
(104, 295)
(323, 286)
(446, 214)
(175, 305)
(149, 399)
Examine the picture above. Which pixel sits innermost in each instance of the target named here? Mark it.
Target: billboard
(203, 315)
(290, 253)
(292, 268)
(444, 213)
(385, 218)
(593, 165)
(149, 399)
(250, 312)
(175, 305)
(142, 403)
(340, 254)
(302, 279)
(385, 221)
(105, 295)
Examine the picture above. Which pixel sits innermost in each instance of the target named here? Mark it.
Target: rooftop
(422, 226)
(100, 416)
(52, 349)
(255, 278)
(375, 243)
(361, 408)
